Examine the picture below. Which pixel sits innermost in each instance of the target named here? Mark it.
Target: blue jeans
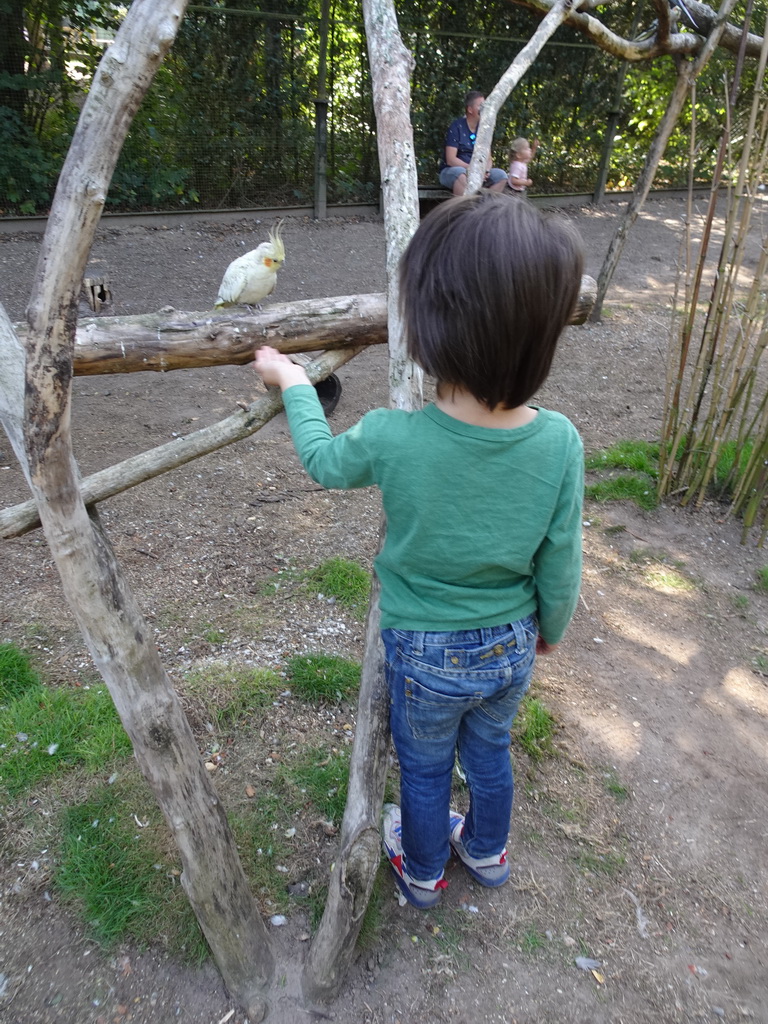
(454, 692)
(449, 174)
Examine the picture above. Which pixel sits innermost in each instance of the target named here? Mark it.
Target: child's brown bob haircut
(487, 285)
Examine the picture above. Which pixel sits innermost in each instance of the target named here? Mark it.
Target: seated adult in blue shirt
(459, 145)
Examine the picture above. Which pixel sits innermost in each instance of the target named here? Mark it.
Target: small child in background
(481, 565)
(521, 152)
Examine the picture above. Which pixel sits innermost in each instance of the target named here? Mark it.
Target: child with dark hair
(481, 565)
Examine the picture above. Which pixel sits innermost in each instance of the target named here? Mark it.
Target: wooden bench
(430, 196)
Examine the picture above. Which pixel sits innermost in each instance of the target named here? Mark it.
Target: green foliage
(120, 875)
(761, 579)
(27, 166)
(344, 580)
(16, 673)
(45, 731)
(229, 118)
(732, 462)
(323, 677)
(534, 727)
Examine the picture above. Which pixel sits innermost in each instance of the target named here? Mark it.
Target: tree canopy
(229, 120)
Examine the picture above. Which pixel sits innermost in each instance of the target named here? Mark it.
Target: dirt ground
(656, 690)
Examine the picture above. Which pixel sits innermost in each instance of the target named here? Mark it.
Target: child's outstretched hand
(542, 647)
(277, 369)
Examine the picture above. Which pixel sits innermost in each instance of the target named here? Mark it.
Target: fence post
(321, 119)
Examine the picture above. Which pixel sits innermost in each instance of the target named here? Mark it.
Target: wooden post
(109, 618)
(359, 856)
(321, 118)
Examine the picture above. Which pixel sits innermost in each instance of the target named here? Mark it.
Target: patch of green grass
(741, 602)
(534, 727)
(261, 832)
(640, 456)
(232, 693)
(450, 933)
(611, 863)
(373, 919)
(638, 463)
(638, 555)
(612, 785)
(323, 677)
(46, 731)
(532, 940)
(725, 469)
(120, 876)
(760, 662)
(346, 581)
(640, 489)
(322, 775)
(660, 576)
(16, 673)
(761, 579)
(556, 810)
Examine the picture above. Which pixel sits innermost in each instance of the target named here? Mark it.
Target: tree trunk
(107, 614)
(481, 156)
(686, 75)
(360, 851)
(20, 519)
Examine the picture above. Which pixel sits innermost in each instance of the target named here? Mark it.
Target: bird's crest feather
(277, 242)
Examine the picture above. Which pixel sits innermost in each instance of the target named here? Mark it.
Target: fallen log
(175, 340)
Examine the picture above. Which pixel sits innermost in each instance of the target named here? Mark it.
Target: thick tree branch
(682, 43)
(360, 851)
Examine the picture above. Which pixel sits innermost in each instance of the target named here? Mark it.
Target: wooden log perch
(173, 340)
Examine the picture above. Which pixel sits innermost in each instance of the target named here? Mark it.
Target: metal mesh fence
(229, 121)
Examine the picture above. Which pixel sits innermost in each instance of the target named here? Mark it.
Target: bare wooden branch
(22, 518)
(360, 852)
(107, 614)
(677, 43)
(178, 340)
(493, 102)
(162, 342)
(686, 75)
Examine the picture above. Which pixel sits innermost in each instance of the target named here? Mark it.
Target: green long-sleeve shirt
(483, 524)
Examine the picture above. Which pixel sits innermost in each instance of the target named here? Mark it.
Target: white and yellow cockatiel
(252, 277)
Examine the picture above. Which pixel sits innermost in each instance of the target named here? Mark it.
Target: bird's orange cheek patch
(268, 261)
